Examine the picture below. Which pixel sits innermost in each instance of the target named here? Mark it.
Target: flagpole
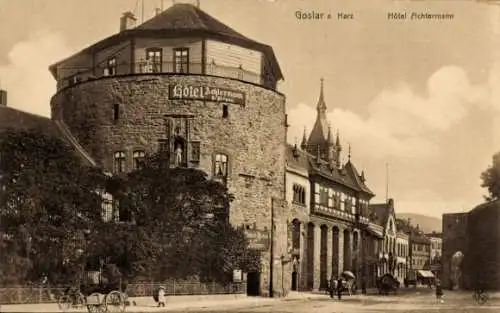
(386, 182)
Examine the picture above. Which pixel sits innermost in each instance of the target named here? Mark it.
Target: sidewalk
(174, 303)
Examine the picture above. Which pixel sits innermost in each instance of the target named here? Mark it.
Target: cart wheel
(115, 302)
(64, 303)
(96, 308)
(483, 298)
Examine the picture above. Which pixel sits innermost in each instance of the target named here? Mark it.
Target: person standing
(439, 292)
(161, 296)
(339, 288)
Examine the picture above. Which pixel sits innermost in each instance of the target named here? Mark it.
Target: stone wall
(483, 231)
(252, 135)
(455, 238)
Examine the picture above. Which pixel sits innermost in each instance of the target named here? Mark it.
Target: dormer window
(110, 68)
(181, 60)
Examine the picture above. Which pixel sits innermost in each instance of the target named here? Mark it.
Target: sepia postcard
(249, 156)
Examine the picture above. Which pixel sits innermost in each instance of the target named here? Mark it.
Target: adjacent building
(394, 253)
(435, 253)
(419, 255)
(329, 200)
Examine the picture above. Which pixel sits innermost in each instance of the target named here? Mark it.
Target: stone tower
(190, 85)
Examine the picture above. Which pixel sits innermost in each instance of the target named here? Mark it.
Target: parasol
(348, 274)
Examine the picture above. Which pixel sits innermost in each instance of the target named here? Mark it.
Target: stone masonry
(253, 136)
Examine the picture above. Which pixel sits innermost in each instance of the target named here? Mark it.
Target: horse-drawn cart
(113, 301)
(97, 294)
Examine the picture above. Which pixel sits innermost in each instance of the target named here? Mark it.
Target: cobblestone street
(413, 301)
(421, 300)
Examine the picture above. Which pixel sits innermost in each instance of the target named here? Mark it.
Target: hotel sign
(205, 93)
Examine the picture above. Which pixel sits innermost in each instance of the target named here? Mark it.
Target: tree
(491, 179)
(181, 224)
(48, 196)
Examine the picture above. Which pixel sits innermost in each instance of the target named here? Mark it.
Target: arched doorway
(310, 257)
(347, 250)
(355, 249)
(323, 258)
(335, 251)
(295, 253)
(456, 269)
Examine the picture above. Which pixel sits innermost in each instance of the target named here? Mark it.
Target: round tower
(186, 83)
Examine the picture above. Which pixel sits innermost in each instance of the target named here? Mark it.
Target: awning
(425, 274)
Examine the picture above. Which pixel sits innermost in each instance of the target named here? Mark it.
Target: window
(225, 111)
(119, 162)
(116, 112)
(138, 158)
(181, 60)
(110, 68)
(107, 207)
(220, 166)
(154, 60)
(299, 194)
(195, 151)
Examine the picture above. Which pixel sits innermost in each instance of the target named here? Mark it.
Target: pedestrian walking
(439, 292)
(333, 287)
(161, 296)
(339, 288)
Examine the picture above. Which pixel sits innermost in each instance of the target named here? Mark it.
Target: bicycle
(71, 299)
(480, 296)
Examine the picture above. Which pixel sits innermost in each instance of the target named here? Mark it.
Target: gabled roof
(296, 158)
(11, 118)
(184, 20)
(379, 213)
(359, 180)
(303, 160)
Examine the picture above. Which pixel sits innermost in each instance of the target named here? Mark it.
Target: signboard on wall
(237, 276)
(205, 93)
(259, 239)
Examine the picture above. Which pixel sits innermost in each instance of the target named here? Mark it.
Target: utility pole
(271, 243)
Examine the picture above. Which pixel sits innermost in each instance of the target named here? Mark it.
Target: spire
(330, 137)
(319, 132)
(349, 154)
(337, 142)
(303, 144)
(321, 107)
(363, 179)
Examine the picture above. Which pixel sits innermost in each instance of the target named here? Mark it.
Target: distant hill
(427, 224)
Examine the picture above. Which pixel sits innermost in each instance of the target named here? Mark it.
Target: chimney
(3, 97)
(127, 21)
(157, 11)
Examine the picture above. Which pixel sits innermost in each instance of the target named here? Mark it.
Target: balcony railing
(148, 67)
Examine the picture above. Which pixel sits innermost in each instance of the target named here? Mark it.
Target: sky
(417, 101)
